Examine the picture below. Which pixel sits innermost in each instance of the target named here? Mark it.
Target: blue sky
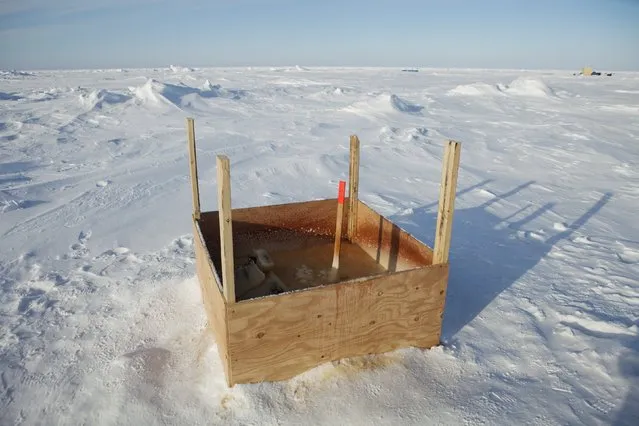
(564, 34)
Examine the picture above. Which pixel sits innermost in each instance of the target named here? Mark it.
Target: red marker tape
(342, 191)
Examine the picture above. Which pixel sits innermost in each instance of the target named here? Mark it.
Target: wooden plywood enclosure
(389, 293)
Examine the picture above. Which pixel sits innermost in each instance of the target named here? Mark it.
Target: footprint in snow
(113, 253)
(79, 249)
(33, 302)
(36, 300)
(84, 236)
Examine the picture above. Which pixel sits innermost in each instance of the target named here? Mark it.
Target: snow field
(100, 312)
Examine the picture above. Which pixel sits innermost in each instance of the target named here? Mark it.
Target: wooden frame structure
(279, 336)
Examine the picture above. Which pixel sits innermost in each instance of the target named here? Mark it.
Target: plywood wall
(275, 338)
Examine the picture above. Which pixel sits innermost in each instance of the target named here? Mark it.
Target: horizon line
(308, 67)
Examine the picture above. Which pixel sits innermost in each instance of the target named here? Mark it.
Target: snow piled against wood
(101, 318)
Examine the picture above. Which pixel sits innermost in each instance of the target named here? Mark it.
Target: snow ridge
(531, 87)
(384, 104)
(156, 93)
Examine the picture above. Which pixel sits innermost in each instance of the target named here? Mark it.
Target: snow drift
(97, 99)
(532, 87)
(332, 92)
(529, 87)
(177, 69)
(156, 93)
(475, 89)
(384, 104)
(14, 74)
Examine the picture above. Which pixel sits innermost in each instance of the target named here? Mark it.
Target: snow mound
(475, 89)
(332, 92)
(177, 68)
(156, 93)
(209, 87)
(384, 104)
(529, 87)
(296, 68)
(519, 87)
(209, 90)
(14, 73)
(97, 99)
(48, 94)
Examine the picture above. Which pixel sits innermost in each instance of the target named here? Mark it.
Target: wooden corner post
(226, 226)
(190, 130)
(353, 187)
(443, 232)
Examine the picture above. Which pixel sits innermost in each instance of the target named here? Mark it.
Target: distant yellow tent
(586, 71)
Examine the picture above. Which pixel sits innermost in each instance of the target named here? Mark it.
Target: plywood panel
(310, 216)
(316, 217)
(282, 227)
(212, 297)
(276, 227)
(277, 337)
(391, 246)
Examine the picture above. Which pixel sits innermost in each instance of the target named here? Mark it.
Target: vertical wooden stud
(226, 226)
(338, 226)
(443, 232)
(353, 188)
(190, 130)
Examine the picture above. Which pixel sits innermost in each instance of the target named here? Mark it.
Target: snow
(475, 89)
(383, 104)
(101, 319)
(96, 99)
(519, 87)
(180, 69)
(529, 87)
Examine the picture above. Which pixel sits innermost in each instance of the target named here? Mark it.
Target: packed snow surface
(101, 318)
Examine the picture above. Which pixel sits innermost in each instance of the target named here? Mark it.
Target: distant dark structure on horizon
(588, 71)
